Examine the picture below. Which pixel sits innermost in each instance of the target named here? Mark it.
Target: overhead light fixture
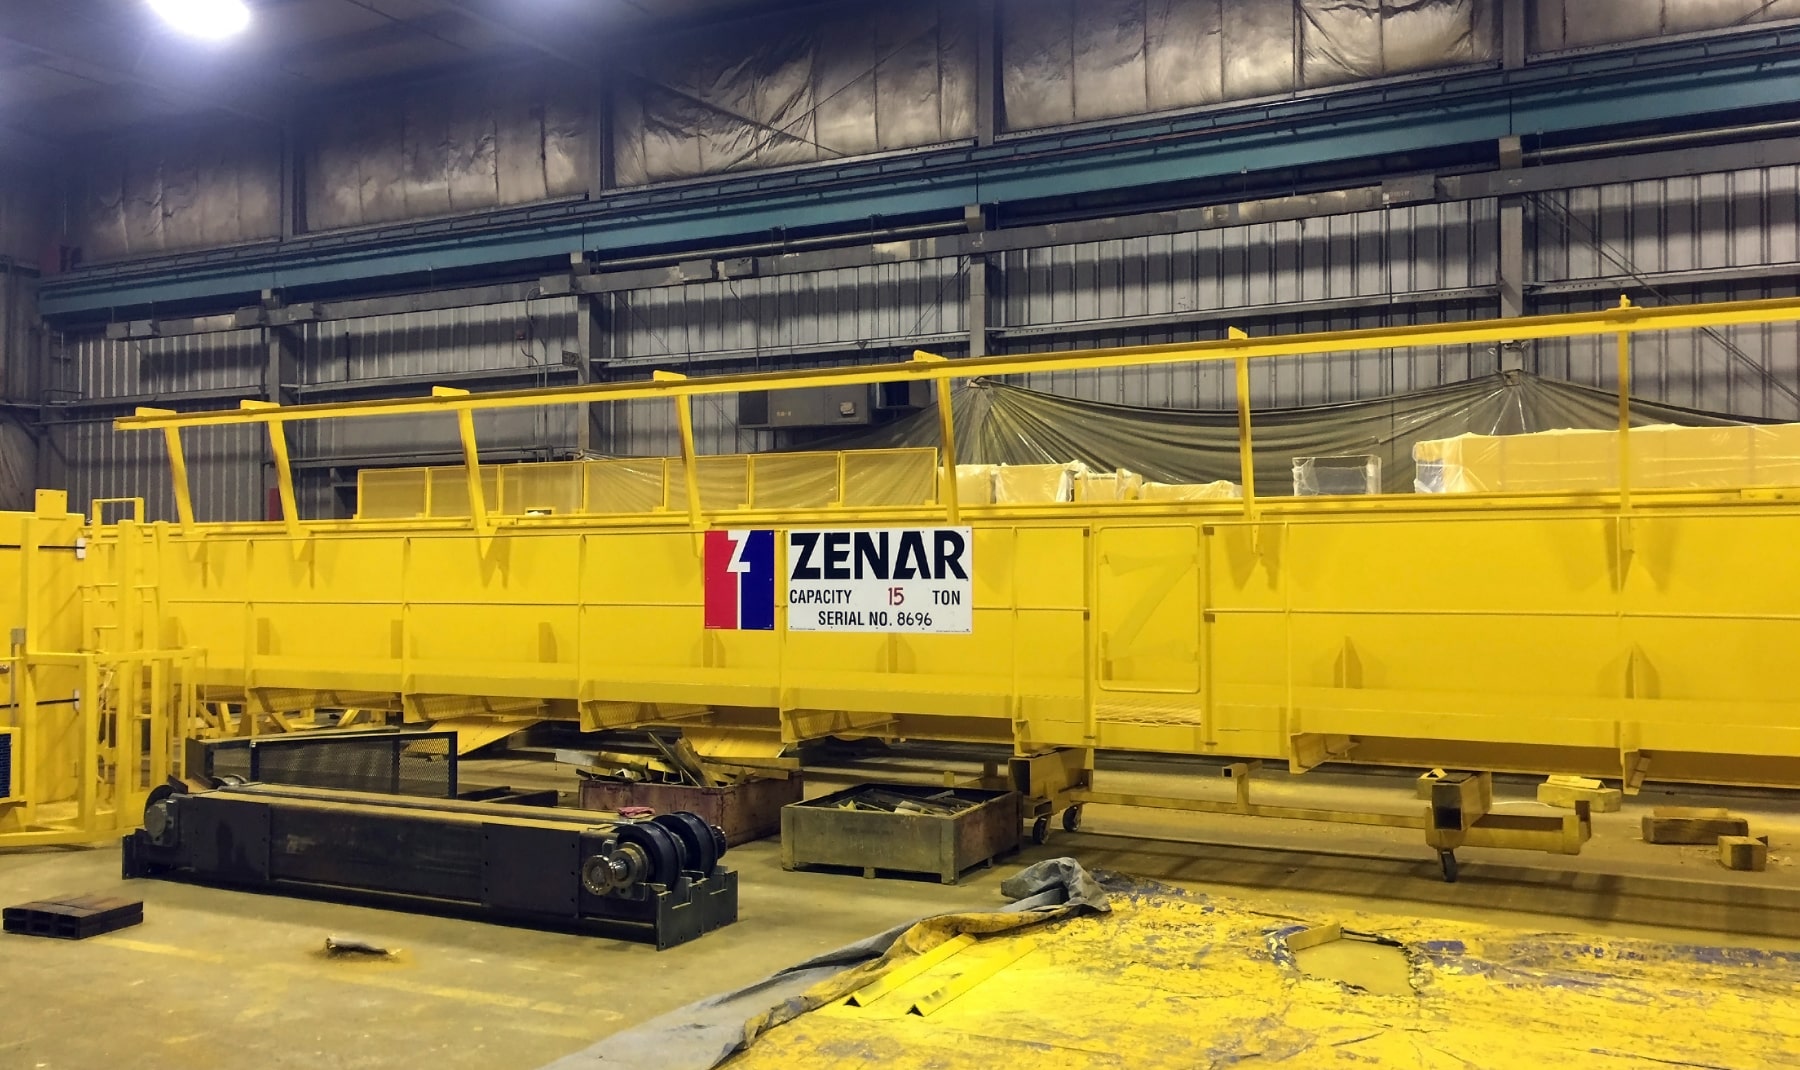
(211, 19)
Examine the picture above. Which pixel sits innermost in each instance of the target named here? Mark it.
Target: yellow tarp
(1174, 981)
(1190, 492)
(1663, 457)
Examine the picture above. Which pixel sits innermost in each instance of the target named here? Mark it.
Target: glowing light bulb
(210, 19)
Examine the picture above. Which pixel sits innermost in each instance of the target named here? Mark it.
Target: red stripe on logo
(721, 582)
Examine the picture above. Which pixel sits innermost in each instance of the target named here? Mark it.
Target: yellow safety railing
(640, 486)
(483, 496)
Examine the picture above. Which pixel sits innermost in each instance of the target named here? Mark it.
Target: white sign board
(915, 580)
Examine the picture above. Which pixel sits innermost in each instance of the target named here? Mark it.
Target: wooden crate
(747, 811)
(819, 833)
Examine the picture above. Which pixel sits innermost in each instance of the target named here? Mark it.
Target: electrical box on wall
(831, 406)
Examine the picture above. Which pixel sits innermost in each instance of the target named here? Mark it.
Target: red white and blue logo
(740, 580)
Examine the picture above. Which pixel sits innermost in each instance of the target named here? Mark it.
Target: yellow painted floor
(1178, 980)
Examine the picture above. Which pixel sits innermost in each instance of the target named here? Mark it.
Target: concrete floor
(225, 979)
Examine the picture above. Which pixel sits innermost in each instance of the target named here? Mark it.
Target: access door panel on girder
(1148, 612)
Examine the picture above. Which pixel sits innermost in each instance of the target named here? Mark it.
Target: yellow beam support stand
(284, 469)
(690, 459)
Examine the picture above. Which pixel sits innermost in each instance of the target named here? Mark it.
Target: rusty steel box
(745, 811)
(820, 832)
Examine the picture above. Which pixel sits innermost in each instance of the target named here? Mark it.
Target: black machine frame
(657, 881)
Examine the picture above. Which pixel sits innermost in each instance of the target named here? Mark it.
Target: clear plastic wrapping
(975, 483)
(1663, 456)
(1036, 484)
(1346, 474)
(890, 477)
(1121, 485)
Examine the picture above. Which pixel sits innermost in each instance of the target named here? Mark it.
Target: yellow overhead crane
(1622, 634)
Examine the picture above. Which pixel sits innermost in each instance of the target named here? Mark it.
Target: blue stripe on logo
(756, 590)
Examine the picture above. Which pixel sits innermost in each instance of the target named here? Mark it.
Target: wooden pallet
(73, 918)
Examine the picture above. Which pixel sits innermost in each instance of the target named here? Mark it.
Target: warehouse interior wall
(448, 147)
(26, 216)
(176, 190)
(780, 92)
(773, 94)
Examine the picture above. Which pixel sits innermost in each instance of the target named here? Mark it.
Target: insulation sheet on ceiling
(168, 194)
(1561, 24)
(433, 151)
(1067, 61)
(842, 83)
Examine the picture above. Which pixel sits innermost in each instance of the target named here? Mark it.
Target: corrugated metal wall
(225, 465)
(1742, 220)
(95, 368)
(20, 339)
(389, 356)
(1279, 383)
(1267, 278)
(348, 358)
(891, 306)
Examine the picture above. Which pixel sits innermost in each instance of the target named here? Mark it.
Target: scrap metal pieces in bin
(945, 803)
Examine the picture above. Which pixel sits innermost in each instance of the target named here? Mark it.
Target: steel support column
(1511, 248)
(987, 72)
(281, 375)
(590, 335)
(1514, 28)
(979, 305)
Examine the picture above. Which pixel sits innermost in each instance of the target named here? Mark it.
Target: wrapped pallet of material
(1663, 457)
(975, 483)
(1122, 485)
(1036, 484)
(1218, 490)
(1358, 473)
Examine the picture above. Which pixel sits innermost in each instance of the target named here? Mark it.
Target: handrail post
(947, 433)
(284, 469)
(465, 428)
(1625, 536)
(1246, 458)
(184, 498)
(690, 464)
(1624, 414)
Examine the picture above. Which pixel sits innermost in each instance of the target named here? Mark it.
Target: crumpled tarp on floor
(705, 1034)
(1178, 980)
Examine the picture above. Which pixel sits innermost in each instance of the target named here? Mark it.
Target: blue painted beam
(1472, 106)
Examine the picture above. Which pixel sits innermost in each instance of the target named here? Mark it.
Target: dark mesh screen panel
(412, 763)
